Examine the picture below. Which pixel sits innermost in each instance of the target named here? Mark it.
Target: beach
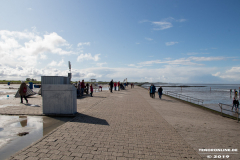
(128, 124)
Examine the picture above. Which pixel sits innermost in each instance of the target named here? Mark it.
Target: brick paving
(119, 125)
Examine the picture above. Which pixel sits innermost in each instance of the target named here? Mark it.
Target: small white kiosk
(59, 97)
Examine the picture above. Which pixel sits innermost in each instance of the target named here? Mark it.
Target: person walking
(115, 86)
(87, 87)
(91, 90)
(82, 87)
(160, 92)
(152, 91)
(111, 85)
(22, 91)
(118, 85)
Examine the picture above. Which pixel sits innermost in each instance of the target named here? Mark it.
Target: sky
(171, 41)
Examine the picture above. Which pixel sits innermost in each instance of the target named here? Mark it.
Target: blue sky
(156, 41)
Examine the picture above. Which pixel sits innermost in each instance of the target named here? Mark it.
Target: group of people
(81, 87)
(118, 84)
(115, 85)
(152, 91)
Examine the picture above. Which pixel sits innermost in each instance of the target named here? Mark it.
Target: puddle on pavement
(36, 126)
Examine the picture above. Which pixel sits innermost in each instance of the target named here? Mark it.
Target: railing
(221, 104)
(184, 97)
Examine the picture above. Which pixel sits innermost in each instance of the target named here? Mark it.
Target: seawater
(212, 94)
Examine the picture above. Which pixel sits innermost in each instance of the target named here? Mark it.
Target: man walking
(160, 92)
(111, 85)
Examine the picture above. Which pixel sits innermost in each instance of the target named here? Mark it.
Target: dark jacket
(160, 90)
(111, 84)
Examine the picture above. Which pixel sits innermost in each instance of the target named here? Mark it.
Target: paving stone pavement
(119, 125)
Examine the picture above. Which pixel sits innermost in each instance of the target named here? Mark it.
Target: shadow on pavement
(82, 118)
(31, 105)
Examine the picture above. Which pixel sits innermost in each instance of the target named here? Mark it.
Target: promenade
(129, 124)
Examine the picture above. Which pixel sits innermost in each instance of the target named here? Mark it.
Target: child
(91, 90)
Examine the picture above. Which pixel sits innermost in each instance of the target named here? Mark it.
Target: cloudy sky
(157, 41)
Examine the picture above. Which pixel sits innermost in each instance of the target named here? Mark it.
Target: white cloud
(195, 53)
(137, 43)
(170, 43)
(207, 58)
(161, 25)
(132, 65)
(149, 39)
(88, 56)
(84, 43)
(25, 48)
(232, 74)
(164, 23)
(30, 9)
(182, 61)
(167, 73)
(181, 20)
(54, 63)
(101, 64)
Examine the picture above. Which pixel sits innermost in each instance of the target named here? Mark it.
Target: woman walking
(91, 90)
(22, 91)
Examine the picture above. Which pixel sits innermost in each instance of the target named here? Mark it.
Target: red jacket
(91, 88)
(118, 83)
(115, 84)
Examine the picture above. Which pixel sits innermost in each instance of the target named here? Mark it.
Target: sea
(211, 94)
